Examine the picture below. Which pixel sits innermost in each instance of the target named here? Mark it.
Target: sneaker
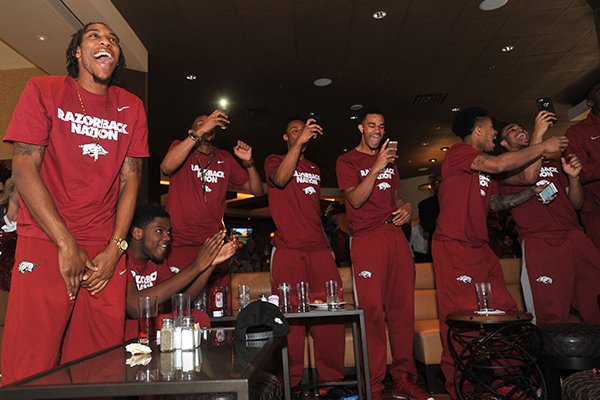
(409, 391)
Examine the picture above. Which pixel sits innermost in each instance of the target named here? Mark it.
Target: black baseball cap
(260, 320)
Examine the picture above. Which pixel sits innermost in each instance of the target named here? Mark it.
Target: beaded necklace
(203, 170)
(97, 146)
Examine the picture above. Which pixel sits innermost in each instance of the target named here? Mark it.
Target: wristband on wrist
(248, 164)
(193, 137)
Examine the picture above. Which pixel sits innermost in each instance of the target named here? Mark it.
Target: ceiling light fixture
(445, 148)
(379, 14)
(491, 67)
(490, 5)
(422, 169)
(424, 143)
(322, 82)
(433, 160)
(191, 77)
(356, 107)
(455, 109)
(353, 117)
(508, 48)
(41, 38)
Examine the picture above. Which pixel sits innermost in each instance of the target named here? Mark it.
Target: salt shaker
(187, 334)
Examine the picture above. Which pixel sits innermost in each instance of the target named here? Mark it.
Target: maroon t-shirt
(295, 208)
(195, 217)
(85, 191)
(534, 218)
(584, 141)
(464, 198)
(145, 273)
(351, 168)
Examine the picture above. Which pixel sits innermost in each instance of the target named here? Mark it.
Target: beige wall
(12, 83)
(410, 192)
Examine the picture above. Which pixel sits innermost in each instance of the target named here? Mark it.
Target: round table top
(472, 316)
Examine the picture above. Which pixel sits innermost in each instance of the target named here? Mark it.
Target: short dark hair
(73, 66)
(369, 110)
(144, 215)
(466, 120)
(593, 91)
(292, 118)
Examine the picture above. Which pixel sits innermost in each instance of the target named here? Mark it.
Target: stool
(583, 385)
(568, 347)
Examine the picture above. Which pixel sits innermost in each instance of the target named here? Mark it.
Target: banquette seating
(427, 342)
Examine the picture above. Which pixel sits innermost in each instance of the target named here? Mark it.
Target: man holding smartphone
(383, 268)
(561, 265)
(301, 252)
(461, 253)
(200, 175)
(584, 141)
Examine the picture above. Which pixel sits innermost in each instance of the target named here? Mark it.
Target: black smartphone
(314, 116)
(545, 104)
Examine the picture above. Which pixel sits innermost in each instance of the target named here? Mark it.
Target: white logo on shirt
(119, 109)
(365, 274)
(209, 176)
(95, 127)
(548, 171)
(146, 281)
(386, 173)
(484, 182)
(220, 161)
(93, 150)
(595, 137)
(309, 190)
(307, 177)
(384, 186)
(464, 279)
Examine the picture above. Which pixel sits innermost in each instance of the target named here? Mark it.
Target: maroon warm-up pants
(561, 271)
(39, 309)
(384, 278)
(315, 267)
(457, 268)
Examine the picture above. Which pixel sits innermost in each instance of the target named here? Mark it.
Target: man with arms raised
(561, 265)
(383, 268)
(300, 249)
(77, 147)
(461, 254)
(200, 175)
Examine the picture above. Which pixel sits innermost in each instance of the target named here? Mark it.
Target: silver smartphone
(548, 192)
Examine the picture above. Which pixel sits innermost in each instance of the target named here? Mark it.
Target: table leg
(286, 369)
(365, 353)
(357, 359)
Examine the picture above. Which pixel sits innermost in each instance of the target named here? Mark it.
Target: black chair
(566, 348)
(583, 385)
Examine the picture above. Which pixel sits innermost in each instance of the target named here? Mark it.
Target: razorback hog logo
(365, 274)
(309, 190)
(26, 266)
(464, 279)
(384, 186)
(278, 320)
(546, 280)
(90, 149)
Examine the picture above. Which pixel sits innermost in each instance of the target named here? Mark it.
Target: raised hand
(243, 151)
(385, 156)
(573, 166)
(216, 118)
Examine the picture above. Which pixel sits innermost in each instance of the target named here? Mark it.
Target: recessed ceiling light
(379, 14)
(356, 107)
(491, 67)
(423, 169)
(438, 128)
(322, 82)
(344, 150)
(41, 38)
(191, 77)
(433, 160)
(424, 143)
(455, 109)
(489, 5)
(353, 117)
(508, 48)
(445, 148)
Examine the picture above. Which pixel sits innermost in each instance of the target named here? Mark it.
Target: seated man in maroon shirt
(149, 275)
(461, 253)
(561, 265)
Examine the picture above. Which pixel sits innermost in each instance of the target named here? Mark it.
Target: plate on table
(323, 306)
